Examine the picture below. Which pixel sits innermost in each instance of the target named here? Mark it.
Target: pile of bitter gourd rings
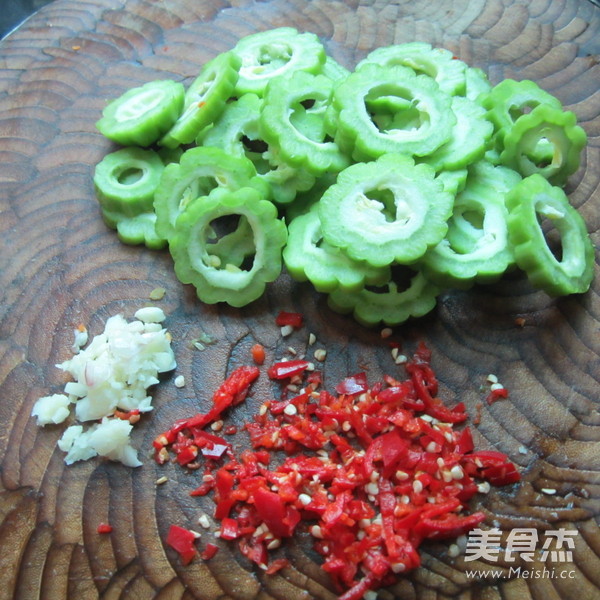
(382, 186)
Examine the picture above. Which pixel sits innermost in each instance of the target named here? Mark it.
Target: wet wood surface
(60, 266)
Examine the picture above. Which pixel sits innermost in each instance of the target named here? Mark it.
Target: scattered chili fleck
(104, 528)
(293, 319)
(477, 418)
(287, 369)
(258, 354)
(497, 394)
(133, 416)
(355, 384)
(277, 565)
(209, 551)
(375, 470)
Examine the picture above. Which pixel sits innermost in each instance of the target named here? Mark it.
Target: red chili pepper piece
(277, 565)
(258, 354)
(104, 528)
(464, 444)
(487, 458)
(203, 489)
(187, 455)
(356, 384)
(433, 406)
(224, 482)
(495, 395)
(209, 551)
(504, 474)
(255, 550)
(279, 518)
(229, 529)
(127, 415)
(368, 582)
(182, 540)
(287, 369)
(235, 388)
(294, 319)
(450, 526)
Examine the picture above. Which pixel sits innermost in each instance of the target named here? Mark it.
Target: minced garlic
(111, 376)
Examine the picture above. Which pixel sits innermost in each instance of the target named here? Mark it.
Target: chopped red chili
(130, 415)
(277, 565)
(356, 384)
(287, 369)
(497, 394)
(258, 354)
(104, 528)
(229, 529)
(231, 392)
(294, 319)
(374, 470)
(182, 540)
(209, 551)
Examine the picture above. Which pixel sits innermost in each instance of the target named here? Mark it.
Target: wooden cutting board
(60, 266)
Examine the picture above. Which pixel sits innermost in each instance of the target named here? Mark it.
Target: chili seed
(320, 354)
(457, 472)
(315, 531)
(286, 330)
(483, 488)
(203, 521)
(432, 447)
(290, 410)
(304, 499)
(372, 488)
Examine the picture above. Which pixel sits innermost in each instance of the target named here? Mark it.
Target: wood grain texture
(60, 266)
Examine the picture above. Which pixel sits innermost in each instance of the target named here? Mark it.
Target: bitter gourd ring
(215, 278)
(422, 118)
(528, 204)
(390, 210)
